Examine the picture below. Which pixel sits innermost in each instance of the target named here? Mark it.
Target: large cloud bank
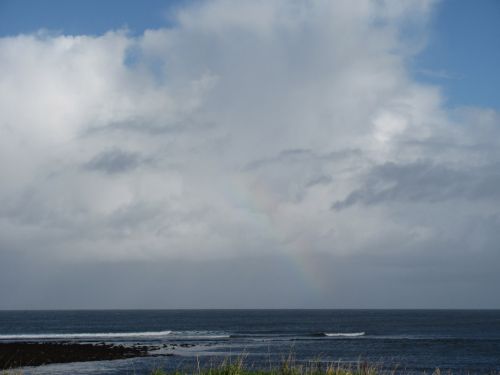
(253, 128)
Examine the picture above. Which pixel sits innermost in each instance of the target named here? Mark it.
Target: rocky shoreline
(21, 354)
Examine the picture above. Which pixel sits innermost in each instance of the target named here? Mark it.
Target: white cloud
(234, 132)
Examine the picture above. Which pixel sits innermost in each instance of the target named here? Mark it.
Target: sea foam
(49, 336)
(347, 334)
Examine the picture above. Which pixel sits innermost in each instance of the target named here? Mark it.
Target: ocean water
(406, 340)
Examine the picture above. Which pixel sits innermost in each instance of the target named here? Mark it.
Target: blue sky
(82, 17)
(465, 47)
(462, 56)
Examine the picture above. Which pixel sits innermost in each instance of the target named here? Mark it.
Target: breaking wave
(347, 334)
(173, 335)
(114, 335)
(208, 335)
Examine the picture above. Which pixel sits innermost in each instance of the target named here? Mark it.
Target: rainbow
(256, 198)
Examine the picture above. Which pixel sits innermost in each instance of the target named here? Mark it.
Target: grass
(287, 367)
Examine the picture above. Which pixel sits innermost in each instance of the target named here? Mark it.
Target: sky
(249, 154)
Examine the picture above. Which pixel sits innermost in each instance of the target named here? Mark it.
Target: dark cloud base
(392, 281)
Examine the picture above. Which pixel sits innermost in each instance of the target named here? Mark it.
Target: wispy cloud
(114, 161)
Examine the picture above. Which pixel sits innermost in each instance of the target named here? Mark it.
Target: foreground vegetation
(235, 369)
(287, 367)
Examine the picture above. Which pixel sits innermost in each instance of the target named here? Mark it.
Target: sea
(400, 341)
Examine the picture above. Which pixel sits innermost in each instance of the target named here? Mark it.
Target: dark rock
(19, 354)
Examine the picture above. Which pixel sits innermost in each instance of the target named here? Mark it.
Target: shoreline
(22, 354)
